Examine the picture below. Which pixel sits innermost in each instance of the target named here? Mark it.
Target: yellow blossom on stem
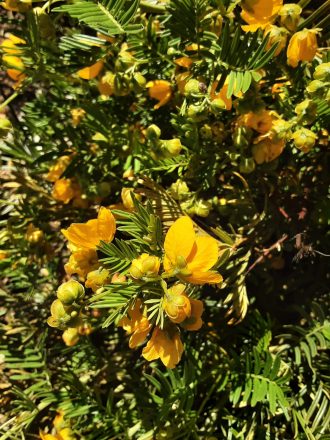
(77, 115)
(166, 345)
(267, 149)
(64, 190)
(260, 121)
(70, 336)
(89, 235)
(276, 35)
(302, 46)
(97, 279)
(145, 266)
(127, 200)
(56, 170)
(135, 324)
(33, 235)
(16, 5)
(160, 90)
(259, 13)
(194, 321)
(188, 256)
(177, 304)
(92, 71)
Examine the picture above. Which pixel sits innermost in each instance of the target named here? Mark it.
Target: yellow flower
(190, 257)
(221, 95)
(97, 279)
(64, 190)
(185, 62)
(88, 235)
(136, 325)
(16, 5)
(276, 35)
(92, 71)
(77, 115)
(267, 149)
(145, 266)
(302, 46)
(177, 304)
(304, 139)
(259, 13)
(290, 16)
(56, 170)
(260, 121)
(70, 336)
(81, 262)
(63, 434)
(194, 321)
(33, 235)
(127, 198)
(9, 45)
(106, 85)
(166, 345)
(160, 90)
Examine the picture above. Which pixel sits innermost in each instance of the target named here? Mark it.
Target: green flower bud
(5, 126)
(121, 85)
(202, 208)
(193, 87)
(188, 207)
(179, 190)
(247, 165)
(206, 131)
(218, 105)
(70, 292)
(135, 272)
(322, 72)
(304, 139)
(306, 111)
(316, 88)
(290, 16)
(153, 133)
(60, 317)
(171, 147)
(138, 82)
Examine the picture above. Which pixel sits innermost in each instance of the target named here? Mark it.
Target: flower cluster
(187, 259)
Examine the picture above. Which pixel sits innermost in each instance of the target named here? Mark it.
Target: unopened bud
(322, 72)
(138, 82)
(290, 16)
(5, 126)
(179, 190)
(306, 111)
(304, 139)
(153, 132)
(171, 147)
(193, 87)
(118, 278)
(202, 208)
(316, 88)
(70, 292)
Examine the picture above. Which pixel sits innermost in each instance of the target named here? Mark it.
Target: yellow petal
(90, 72)
(204, 254)
(45, 436)
(179, 239)
(106, 224)
(209, 277)
(194, 322)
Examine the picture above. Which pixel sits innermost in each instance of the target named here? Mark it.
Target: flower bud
(218, 105)
(126, 198)
(59, 316)
(70, 292)
(196, 112)
(304, 139)
(316, 88)
(106, 84)
(34, 235)
(120, 85)
(138, 82)
(247, 165)
(290, 16)
(153, 133)
(176, 304)
(281, 129)
(5, 126)
(171, 147)
(118, 278)
(322, 72)
(179, 190)
(306, 111)
(193, 87)
(70, 336)
(145, 265)
(206, 131)
(202, 208)
(276, 35)
(96, 279)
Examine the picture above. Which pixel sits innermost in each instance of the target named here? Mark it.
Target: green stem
(9, 100)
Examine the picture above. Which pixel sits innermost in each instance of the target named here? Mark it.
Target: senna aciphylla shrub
(165, 208)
